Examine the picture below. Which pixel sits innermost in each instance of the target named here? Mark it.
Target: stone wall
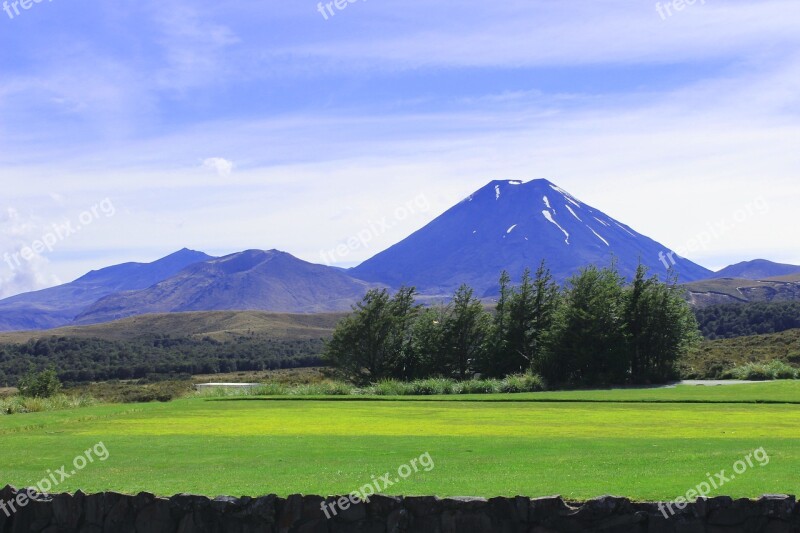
(145, 513)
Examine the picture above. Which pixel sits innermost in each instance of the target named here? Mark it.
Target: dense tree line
(81, 360)
(596, 329)
(739, 320)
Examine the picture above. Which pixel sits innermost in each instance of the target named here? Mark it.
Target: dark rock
(399, 520)
(121, 516)
(68, 510)
(543, 510)
(777, 506)
(424, 513)
(184, 513)
(156, 518)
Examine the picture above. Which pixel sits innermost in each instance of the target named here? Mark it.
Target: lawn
(644, 444)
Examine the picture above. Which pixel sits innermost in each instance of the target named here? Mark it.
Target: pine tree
(466, 333)
(374, 342)
(587, 344)
(490, 365)
(547, 299)
(638, 321)
(520, 316)
(403, 312)
(428, 343)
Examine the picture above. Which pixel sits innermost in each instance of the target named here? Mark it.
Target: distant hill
(219, 325)
(511, 225)
(726, 290)
(757, 269)
(251, 280)
(58, 306)
(170, 344)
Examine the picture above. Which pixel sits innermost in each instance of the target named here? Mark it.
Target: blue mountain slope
(58, 306)
(268, 280)
(512, 225)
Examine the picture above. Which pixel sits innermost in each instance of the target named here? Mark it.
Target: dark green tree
(660, 326)
(467, 333)
(638, 319)
(546, 301)
(428, 342)
(374, 342)
(519, 352)
(587, 343)
(498, 344)
(404, 312)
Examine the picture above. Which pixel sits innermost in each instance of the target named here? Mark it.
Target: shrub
(326, 388)
(522, 383)
(267, 389)
(19, 404)
(780, 370)
(43, 384)
(431, 386)
(478, 386)
(337, 388)
(389, 387)
(763, 371)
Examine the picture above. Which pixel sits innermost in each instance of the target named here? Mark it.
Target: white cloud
(221, 166)
(18, 274)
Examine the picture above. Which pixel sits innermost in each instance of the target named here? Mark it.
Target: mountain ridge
(263, 280)
(512, 225)
(757, 269)
(505, 225)
(59, 305)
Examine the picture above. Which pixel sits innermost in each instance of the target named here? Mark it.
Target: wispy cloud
(664, 124)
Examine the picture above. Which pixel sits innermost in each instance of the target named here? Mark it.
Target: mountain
(731, 290)
(511, 225)
(58, 306)
(757, 269)
(250, 280)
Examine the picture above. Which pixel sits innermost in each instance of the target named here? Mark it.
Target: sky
(131, 129)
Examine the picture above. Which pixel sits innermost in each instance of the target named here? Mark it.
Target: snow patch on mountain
(567, 196)
(573, 213)
(598, 236)
(625, 229)
(510, 234)
(550, 219)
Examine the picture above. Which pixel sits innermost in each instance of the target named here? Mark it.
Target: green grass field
(645, 444)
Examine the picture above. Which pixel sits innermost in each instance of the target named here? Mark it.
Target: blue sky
(222, 126)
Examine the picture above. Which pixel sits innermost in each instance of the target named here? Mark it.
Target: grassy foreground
(579, 449)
